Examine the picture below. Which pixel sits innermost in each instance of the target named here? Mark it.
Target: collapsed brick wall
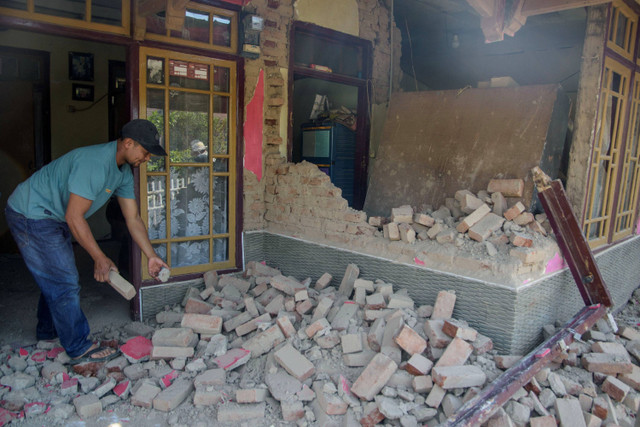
(375, 25)
(300, 200)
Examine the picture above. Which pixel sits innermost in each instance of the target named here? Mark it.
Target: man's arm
(139, 234)
(76, 209)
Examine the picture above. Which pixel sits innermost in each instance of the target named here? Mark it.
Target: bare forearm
(82, 233)
(139, 235)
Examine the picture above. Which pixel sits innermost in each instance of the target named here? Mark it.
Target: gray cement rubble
(343, 351)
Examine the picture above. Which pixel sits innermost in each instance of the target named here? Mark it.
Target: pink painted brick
(137, 348)
(233, 358)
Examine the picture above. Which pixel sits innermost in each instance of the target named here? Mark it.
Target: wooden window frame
(620, 8)
(86, 24)
(231, 235)
(231, 14)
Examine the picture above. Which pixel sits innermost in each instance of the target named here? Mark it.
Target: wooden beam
(539, 7)
(485, 8)
(516, 20)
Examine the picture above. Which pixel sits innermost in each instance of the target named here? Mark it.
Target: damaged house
(397, 136)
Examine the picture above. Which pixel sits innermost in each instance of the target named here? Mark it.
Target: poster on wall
(81, 66)
(178, 68)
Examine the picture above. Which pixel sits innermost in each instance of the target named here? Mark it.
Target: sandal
(87, 356)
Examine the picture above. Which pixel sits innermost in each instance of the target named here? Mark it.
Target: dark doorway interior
(25, 140)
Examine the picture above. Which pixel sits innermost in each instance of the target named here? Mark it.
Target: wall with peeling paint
(337, 15)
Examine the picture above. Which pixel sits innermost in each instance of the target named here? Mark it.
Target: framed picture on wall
(82, 92)
(81, 66)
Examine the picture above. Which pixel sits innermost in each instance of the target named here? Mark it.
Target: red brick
(473, 218)
(202, 323)
(374, 377)
(294, 362)
(197, 306)
(456, 354)
(410, 341)
(514, 211)
(508, 187)
(615, 388)
(443, 307)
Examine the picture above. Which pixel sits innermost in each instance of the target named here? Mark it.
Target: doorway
(329, 106)
(25, 140)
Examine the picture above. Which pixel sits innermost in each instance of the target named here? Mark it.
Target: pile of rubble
(271, 350)
(496, 217)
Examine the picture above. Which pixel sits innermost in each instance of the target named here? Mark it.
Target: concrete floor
(19, 295)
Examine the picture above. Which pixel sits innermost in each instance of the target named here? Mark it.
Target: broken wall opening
(437, 142)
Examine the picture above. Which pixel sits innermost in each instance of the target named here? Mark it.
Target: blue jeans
(46, 248)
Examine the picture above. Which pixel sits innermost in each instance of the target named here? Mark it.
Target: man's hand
(101, 269)
(155, 265)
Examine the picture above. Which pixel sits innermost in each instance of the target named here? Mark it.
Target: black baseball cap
(144, 133)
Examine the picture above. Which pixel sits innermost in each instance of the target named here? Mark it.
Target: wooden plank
(539, 7)
(479, 409)
(485, 8)
(571, 241)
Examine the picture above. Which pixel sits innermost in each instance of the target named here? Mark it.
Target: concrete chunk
(449, 377)
(173, 395)
(173, 337)
(87, 405)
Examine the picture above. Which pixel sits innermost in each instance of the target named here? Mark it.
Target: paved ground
(19, 298)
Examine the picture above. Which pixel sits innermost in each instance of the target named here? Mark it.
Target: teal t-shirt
(90, 172)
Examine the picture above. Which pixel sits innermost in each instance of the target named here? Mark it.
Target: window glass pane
(196, 27)
(220, 165)
(621, 30)
(189, 201)
(156, 206)
(220, 250)
(14, 4)
(220, 124)
(63, 9)
(221, 30)
(161, 250)
(189, 75)
(189, 123)
(340, 58)
(194, 252)
(220, 204)
(155, 71)
(106, 12)
(221, 79)
(155, 114)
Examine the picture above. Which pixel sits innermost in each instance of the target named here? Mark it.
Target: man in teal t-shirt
(52, 205)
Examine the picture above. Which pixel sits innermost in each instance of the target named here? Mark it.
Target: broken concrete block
(400, 301)
(449, 377)
(422, 383)
(374, 377)
(351, 343)
(87, 405)
(294, 362)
